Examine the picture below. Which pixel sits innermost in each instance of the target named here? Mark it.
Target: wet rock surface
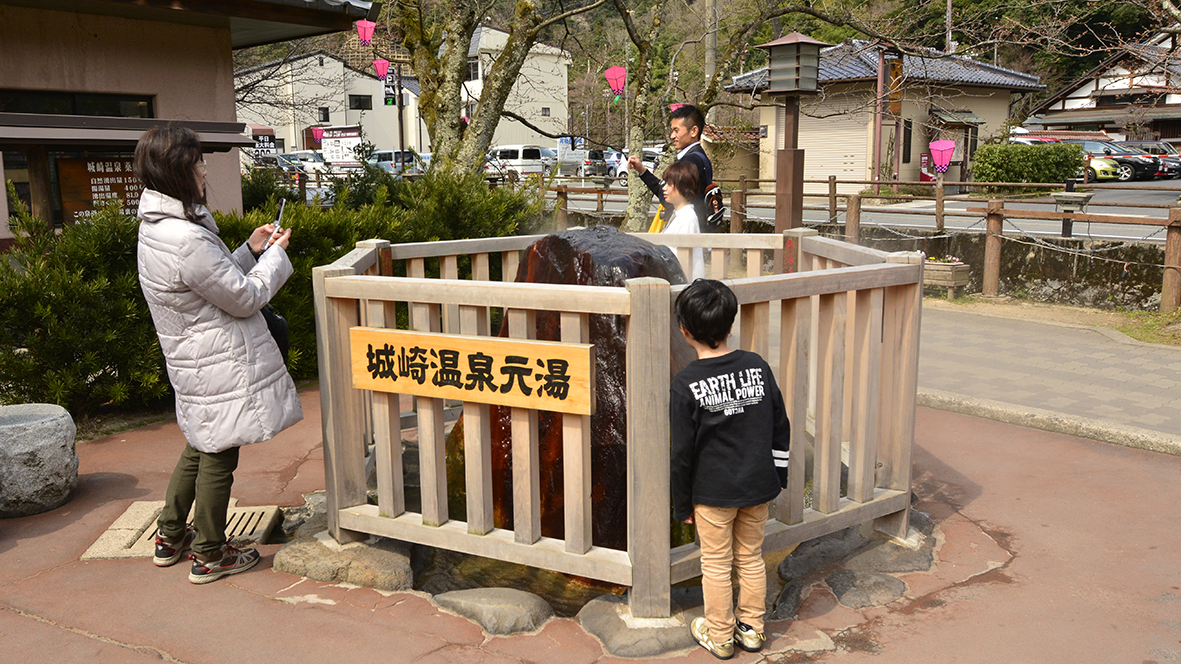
(858, 566)
(598, 256)
(498, 610)
(860, 590)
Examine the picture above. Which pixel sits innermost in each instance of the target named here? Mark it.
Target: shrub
(1055, 162)
(74, 327)
(260, 185)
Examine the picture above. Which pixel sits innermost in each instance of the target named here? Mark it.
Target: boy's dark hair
(166, 161)
(692, 117)
(706, 309)
(683, 176)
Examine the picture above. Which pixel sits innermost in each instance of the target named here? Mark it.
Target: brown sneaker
(232, 561)
(170, 551)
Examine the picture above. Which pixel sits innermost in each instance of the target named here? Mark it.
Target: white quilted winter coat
(231, 385)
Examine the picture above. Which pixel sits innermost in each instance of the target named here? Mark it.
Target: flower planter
(946, 275)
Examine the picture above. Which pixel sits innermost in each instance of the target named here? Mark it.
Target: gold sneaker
(748, 639)
(701, 635)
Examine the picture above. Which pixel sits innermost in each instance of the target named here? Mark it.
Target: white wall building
(325, 91)
(540, 94)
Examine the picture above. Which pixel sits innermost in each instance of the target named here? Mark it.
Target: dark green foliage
(74, 328)
(260, 185)
(1027, 163)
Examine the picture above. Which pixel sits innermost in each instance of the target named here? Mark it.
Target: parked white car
(520, 160)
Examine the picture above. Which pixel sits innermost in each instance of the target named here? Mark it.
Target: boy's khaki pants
(732, 537)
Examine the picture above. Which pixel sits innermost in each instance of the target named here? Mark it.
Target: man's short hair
(706, 309)
(692, 117)
(683, 176)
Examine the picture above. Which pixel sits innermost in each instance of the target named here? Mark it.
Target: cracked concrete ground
(1053, 549)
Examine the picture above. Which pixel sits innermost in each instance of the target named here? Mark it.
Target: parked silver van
(582, 163)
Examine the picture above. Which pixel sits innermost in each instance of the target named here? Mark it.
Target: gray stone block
(860, 590)
(891, 558)
(38, 463)
(498, 610)
(609, 619)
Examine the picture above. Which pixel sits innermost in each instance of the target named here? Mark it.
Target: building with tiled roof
(935, 97)
(1132, 95)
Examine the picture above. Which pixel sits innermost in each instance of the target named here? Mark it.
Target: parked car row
(1131, 160)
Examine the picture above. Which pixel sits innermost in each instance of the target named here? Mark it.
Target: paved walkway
(1053, 548)
(1097, 377)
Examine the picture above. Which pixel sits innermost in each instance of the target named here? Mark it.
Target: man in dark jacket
(685, 127)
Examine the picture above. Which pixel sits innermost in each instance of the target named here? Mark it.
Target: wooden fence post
(563, 203)
(939, 205)
(737, 218)
(1170, 292)
(302, 179)
(599, 205)
(649, 542)
(992, 247)
(853, 218)
(832, 199)
(852, 215)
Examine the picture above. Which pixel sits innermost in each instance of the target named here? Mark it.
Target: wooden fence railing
(842, 335)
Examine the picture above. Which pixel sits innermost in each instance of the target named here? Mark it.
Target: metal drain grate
(133, 535)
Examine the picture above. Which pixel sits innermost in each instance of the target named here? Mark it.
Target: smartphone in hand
(278, 223)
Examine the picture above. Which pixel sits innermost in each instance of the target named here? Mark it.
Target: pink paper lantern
(616, 78)
(317, 133)
(941, 152)
(365, 31)
(673, 107)
(382, 67)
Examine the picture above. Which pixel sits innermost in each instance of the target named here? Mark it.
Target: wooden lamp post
(794, 68)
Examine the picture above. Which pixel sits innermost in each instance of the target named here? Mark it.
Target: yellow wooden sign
(544, 375)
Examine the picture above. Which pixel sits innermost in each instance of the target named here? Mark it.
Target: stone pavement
(1051, 548)
(1093, 382)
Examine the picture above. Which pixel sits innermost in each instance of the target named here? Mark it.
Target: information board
(337, 145)
(89, 184)
(544, 375)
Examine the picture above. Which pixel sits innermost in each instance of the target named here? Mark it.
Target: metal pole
(401, 132)
(711, 49)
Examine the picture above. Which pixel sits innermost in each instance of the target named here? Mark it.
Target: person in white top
(681, 178)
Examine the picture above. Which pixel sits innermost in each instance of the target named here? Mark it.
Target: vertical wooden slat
(480, 267)
(432, 465)
(508, 262)
(477, 438)
(648, 447)
(830, 351)
(864, 387)
(342, 410)
(526, 472)
(795, 322)
(755, 327)
(387, 437)
(685, 258)
(576, 450)
(449, 269)
(754, 262)
(718, 263)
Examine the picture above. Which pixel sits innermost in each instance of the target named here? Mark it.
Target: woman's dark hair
(683, 177)
(166, 161)
(706, 309)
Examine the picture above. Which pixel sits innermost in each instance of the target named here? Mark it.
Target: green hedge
(1055, 162)
(74, 327)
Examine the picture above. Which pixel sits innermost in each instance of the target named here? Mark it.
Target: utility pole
(950, 47)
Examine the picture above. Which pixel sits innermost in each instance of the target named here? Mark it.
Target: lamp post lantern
(793, 71)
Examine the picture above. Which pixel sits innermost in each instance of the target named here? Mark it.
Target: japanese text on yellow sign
(544, 375)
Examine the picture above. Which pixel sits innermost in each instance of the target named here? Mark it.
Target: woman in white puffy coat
(231, 385)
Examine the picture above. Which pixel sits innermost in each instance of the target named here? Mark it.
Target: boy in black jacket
(730, 437)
